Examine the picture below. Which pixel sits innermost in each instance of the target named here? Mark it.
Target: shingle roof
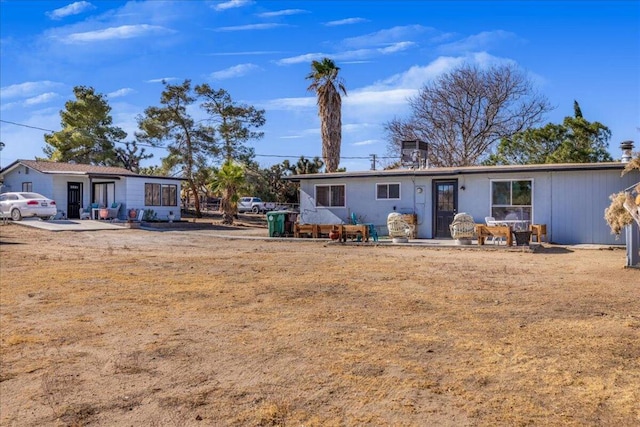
(58, 167)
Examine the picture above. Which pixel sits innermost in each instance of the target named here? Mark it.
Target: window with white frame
(330, 195)
(513, 198)
(388, 191)
(160, 195)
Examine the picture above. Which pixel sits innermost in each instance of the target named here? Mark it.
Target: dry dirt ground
(185, 328)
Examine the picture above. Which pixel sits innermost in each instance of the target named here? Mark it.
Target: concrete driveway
(69, 224)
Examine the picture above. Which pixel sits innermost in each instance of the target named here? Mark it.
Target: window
(388, 191)
(27, 186)
(152, 195)
(169, 195)
(160, 195)
(513, 198)
(330, 195)
(104, 193)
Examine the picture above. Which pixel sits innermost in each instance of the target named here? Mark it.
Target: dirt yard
(184, 328)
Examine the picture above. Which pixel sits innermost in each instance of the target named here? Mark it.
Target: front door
(74, 199)
(445, 206)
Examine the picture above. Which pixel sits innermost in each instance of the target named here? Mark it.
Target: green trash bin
(275, 220)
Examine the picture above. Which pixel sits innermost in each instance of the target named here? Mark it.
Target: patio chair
(85, 213)
(491, 221)
(399, 229)
(114, 210)
(463, 227)
(373, 233)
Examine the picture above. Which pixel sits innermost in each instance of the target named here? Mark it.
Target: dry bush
(616, 215)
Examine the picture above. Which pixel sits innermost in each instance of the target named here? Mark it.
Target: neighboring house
(75, 186)
(569, 198)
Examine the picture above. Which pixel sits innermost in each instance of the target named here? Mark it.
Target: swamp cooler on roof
(414, 154)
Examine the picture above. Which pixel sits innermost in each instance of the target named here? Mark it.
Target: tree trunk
(196, 198)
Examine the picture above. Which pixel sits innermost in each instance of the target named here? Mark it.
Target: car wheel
(16, 215)
(255, 209)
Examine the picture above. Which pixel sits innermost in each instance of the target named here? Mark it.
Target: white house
(569, 198)
(75, 186)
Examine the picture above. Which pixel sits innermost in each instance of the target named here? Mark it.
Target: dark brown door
(74, 199)
(445, 206)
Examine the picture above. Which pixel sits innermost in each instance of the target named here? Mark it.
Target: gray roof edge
(18, 162)
(468, 170)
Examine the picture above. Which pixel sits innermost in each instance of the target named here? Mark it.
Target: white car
(24, 204)
(251, 204)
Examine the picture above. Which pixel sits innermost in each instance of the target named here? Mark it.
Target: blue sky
(260, 52)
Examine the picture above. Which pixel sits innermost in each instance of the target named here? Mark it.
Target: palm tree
(228, 182)
(327, 86)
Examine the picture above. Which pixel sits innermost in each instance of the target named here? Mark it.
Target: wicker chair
(463, 227)
(399, 229)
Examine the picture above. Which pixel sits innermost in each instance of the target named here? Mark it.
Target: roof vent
(627, 148)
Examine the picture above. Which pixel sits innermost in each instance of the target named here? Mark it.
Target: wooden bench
(358, 232)
(324, 229)
(537, 231)
(484, 231)
(305, 229)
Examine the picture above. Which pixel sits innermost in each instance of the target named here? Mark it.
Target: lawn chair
(373, 233)
(85, 213)
(463, 228)
(399, 229)
(491, 221)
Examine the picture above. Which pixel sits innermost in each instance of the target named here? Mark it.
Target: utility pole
(373, 162)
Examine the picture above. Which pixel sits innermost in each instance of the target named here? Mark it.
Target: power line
(159, 146)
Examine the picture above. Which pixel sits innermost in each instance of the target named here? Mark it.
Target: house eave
(466, 170)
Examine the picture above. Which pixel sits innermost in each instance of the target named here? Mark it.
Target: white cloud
(291, 103)
(347, 21)
(307, 57)
(365, 142)
(396, 47)
(115, 33)
(231, 4)
(384, 37)
(235, 71)
(285, 12)
(350, 55)
(120, 92)
(249, 27)
(480, 41)
(41, 99)
(26, 89)
(160, 80)
(72, 9)
(382, 97)
(8, 105)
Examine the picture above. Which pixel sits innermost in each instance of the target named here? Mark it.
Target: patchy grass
(183, 328)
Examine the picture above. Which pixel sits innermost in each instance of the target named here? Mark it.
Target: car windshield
(32, 196)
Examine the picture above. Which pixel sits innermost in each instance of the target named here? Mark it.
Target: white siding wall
(135, 196)
(128, 190)
(41, 183)
(570, 203)
(578, 202)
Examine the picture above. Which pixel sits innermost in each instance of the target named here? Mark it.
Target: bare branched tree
(462, 114)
